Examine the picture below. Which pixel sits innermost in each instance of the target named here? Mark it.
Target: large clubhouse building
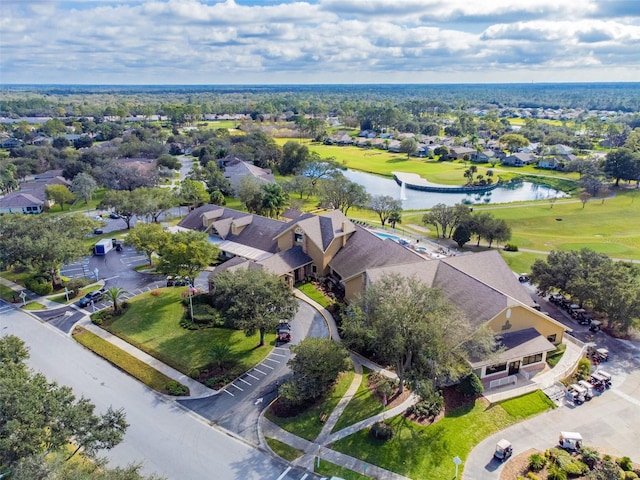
(332, 248)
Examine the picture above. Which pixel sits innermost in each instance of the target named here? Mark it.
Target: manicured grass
(312, 292)
(307, 424)
(425, 452)
(283, 450)
(328, 469)
(34, 306)
(363, 405)
(521, 262)
(528, 405)
(151, 323)
(612, 227)
(123, 360)
(7, 293)
(63, 298)
(554, 357)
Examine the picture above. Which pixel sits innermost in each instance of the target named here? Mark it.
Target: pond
(417, 200)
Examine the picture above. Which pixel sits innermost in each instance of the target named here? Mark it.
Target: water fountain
(403, 192)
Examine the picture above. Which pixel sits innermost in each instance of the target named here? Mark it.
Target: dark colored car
(98, 231)
(114, 215)
(94, 296)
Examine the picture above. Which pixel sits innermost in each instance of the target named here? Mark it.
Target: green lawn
(283, 450)
(554, 357)
(7, 294)
(34, 306)
(312, 292)
(123, 360)
(151, 323)
(328, 469)
(308, 424)
(425, 452)
(63, 298)
(363, 405)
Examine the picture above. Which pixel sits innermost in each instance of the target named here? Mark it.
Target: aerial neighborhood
(293, 284)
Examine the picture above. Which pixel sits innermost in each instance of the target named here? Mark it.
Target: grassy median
(123, 360)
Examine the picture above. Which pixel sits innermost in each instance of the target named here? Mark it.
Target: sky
(318, 41)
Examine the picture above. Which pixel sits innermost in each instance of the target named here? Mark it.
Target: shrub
(537, 462)
(97, 321)
(381, 431)
(556, 473)
(532, 476)
(510, 247)
(625, 464)
(630, 475)
(471, 386)
(177, 389)
(75, 285)
(576, 468)
(589, 456)
(39, 285)
(431, 400)
(584, 369)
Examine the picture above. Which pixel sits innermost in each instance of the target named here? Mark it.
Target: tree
(409, 146)
(318, 169)
(40, 417)
(513, 141)
(122, 202)
(394, 218)
(250, 194)
(115, 294)
(154, 202)
(294, 158)
(274, 199)
(442, 152)
(461, 235)
(384, 206)
(407, 325)
(497, 229)
(42, 242)
(298, 184)
(315, 366)
(254, 300)
(193, 193)
(584, 197)
(147, 238)
(186, 253)
(621, 164)
(84, 185)
(217, 198)
(440, 215)
(614, 289)
(168, 161)
(59, 194)
(342, 194)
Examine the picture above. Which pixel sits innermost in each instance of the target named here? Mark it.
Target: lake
(417, 200)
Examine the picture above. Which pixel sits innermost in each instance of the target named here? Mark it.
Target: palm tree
(115, 294)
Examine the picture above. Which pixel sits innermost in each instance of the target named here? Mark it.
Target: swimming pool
(394, 238)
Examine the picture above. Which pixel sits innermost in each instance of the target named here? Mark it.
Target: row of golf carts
(571, 441)
(584, 390)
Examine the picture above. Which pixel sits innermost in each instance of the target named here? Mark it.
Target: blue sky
(318, 41)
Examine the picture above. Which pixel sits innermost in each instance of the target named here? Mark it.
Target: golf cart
(283, 333)
(602, 354)
(588, 387)
(581, 390)
(570, 440)
(503, 450)
(575, 394)
(595, 326)
(600, 381)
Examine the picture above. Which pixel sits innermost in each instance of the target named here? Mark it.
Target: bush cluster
(381, 431)
(39, 284)
(471, 386)
(75, 285)
(511, 247)
(177, 389)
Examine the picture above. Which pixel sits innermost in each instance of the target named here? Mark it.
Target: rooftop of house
(19, 200)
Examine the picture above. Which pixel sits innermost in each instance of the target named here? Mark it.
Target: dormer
(211, 216)
(238, 224)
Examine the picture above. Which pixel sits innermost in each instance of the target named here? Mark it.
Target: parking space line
(260, 371)
(272, 360)
(284, 474)
(267, 366)
(278, 354)
(304, 476)
(226, 391)
(234, 385)
(255, 378)
(244, 381)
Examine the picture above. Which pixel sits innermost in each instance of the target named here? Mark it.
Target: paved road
(165, 438)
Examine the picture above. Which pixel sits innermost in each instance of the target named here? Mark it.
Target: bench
(323, 417)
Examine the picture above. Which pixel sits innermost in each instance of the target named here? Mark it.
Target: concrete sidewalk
(196, 389)
(31, 297)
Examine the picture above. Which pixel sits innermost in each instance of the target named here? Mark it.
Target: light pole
(458, 462)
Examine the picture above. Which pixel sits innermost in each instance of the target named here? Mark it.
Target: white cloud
(199, 41)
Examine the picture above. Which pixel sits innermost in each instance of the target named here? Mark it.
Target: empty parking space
(251, 379)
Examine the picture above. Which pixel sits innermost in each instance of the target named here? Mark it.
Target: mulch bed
(453, 400)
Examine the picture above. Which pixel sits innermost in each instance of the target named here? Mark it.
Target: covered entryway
(514, 367)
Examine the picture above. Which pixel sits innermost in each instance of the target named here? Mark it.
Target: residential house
(37, 186)
(518, 159)
(458, 153)
(485, 156)
(10, 143)
(236, 170)
(18, 202)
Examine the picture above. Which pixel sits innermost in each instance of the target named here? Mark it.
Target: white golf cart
(503, 450)
(570, 440)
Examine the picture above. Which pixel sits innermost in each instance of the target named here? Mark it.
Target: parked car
(98, 231)
(283, 332)
(595, 326)
(523, 278)
(114, 215)
(178, 281)
(94, 296)
(503, 450)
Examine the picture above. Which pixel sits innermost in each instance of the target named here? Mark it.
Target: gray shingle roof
(19, 200)
(522, 343)
(364, 251)
(285, 262)
(322, 229)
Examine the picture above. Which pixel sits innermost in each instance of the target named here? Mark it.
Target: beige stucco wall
(521, 318)
(353, 287)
